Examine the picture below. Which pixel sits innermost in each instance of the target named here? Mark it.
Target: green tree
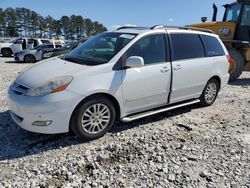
(25, 22)
(11, 22)
(89, 27)
(65, 25)
(2, 23)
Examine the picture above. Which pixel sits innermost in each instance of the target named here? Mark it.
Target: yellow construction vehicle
(234, 31)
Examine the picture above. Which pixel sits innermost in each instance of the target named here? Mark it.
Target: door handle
(165, 69)
(177, 67)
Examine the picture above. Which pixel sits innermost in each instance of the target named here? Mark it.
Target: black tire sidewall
(4, 52)
(240, 64)
(203, 98)
(32, 57)
(75, 124)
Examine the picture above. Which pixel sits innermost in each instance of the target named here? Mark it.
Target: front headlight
(52, 86)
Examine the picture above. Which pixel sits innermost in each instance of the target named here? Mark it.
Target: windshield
(99, 49)
(232, 12)
(18, 41)
(245, 21)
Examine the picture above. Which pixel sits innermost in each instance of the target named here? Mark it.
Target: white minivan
(126, 74)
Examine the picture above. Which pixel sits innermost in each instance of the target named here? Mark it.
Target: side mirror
(134, 62)
(203, 19)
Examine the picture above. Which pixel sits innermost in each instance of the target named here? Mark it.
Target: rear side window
(212, 46)
(45, 41)
(186, 46)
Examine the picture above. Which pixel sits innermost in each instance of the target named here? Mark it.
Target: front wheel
(93, 118)
(6, 52)
(210, 93)
(29, 59)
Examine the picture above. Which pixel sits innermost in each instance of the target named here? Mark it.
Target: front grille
(20, 89)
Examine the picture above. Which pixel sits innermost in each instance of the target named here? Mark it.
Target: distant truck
(10, 48)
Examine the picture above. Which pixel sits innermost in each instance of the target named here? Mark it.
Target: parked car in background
(123, 75)
(35, 54)
(65, 49)
(10, 48)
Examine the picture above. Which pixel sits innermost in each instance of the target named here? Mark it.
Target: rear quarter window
(212, 46)
(186, 46)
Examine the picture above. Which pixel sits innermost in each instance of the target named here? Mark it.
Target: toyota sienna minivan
(126, 74)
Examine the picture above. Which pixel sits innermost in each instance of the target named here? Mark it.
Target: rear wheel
(6, 52)
(93, 118)
(210, 93)
(237, 64)
(29, 59)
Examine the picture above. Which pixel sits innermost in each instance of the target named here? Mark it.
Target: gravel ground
(188, 147)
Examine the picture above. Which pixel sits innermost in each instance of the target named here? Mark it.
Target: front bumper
(18, 57)
(57, 107)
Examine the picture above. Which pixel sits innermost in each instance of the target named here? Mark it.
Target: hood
(47, 70)
(5, 44)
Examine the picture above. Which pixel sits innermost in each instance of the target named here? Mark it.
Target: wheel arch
(217, 78)
(29, 55)
(101, 94)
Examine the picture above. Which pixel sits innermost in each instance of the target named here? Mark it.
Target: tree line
(25, 22)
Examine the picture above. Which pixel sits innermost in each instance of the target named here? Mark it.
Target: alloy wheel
(96, 118)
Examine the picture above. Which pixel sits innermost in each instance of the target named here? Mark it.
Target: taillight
(229, 59)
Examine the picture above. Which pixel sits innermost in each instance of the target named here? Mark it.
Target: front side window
(151, 48)
(232, 13)
(39, 47)
(186, 46)
(212, 46)
(245, 16)
(100, 49)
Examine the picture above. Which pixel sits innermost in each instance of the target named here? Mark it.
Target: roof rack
(167, 27)
(131, 27)
(178, 27)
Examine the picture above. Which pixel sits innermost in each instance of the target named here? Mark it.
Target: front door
(148, 86)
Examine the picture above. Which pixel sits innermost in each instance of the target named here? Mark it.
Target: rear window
(212, 46)
(186, 46)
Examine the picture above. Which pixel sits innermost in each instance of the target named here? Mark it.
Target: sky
(114, 13)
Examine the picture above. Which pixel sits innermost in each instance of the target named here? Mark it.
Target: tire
(86, 114)
(236, 65)
(210, 93)
(29, 59)
(6, 52)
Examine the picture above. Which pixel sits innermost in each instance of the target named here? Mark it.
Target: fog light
(41, 123)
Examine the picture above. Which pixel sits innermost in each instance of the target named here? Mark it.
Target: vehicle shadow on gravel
(15, 62)
(241, 82)
(16, 142)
